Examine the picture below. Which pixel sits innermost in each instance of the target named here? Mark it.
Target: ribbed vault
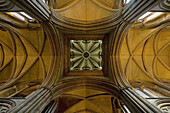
(76, 56)
(144, 55)
(86, 55)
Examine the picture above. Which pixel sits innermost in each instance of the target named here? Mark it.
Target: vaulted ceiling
(85, 55)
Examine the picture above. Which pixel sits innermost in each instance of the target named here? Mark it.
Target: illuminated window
(26, 15)
(156, 14)
(17, 15)
(45, 1)
(126, 1)
(141, 93)
(150, 93)
(145, 15)
(149, 16)
(21, 16)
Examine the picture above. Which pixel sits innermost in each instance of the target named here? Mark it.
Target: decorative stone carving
(6, 5)
(86, 55)
(165, 5)
(6, 105)
(163, 104)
